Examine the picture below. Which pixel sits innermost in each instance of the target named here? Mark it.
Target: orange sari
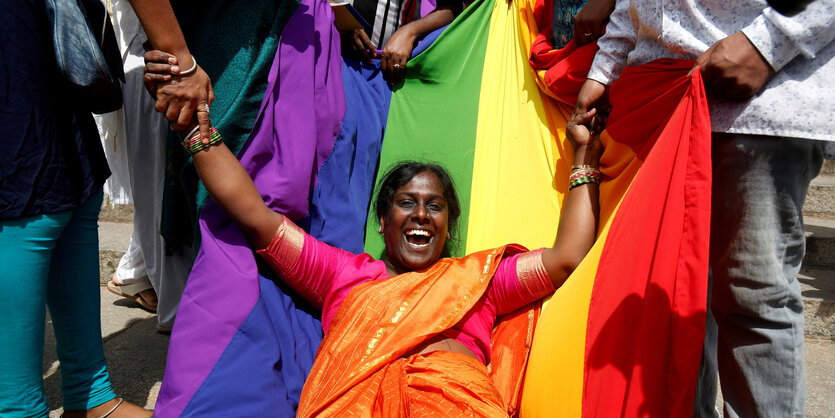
(363, 367)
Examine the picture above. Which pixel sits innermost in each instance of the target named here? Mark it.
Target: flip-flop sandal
(125, 292)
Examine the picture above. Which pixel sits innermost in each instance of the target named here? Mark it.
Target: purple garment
(427, 6)
(295, 131)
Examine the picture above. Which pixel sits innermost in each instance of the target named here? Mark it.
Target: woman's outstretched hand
(179, 97)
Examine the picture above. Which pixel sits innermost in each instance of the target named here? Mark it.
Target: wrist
(184, 59)
(410, 31)
(588, 154)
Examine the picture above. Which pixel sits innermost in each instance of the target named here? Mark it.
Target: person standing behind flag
(769, 78)
(390, 32)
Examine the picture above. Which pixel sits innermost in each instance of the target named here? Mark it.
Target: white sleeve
(614, 46)
(781, 38)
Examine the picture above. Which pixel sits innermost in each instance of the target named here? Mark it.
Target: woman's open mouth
(418, 238)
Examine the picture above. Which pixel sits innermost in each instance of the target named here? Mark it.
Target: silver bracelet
(190, 70)
(188, 135)
(113, 409)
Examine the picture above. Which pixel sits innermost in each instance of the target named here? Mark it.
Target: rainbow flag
(621, 337)
(489, 100)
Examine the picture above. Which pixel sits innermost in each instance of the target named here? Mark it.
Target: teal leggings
(51, 260)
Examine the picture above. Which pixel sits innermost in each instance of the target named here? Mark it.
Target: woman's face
(415, 227)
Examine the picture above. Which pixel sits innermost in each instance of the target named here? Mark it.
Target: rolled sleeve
(781, 38)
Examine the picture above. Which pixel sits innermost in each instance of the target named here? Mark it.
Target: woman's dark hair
(402, 173)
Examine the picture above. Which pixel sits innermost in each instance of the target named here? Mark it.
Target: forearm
(443, 15)
(577, 229)
(163, 30)
(232, 188)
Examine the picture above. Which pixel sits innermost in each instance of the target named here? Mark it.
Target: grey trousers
(755, 317)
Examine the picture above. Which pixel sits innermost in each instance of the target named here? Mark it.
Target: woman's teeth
(418, 238)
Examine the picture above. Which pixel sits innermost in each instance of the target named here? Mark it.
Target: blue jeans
(51, 260)
(757, 243)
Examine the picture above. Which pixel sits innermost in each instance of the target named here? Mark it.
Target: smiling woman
(416, 204)
(414, 322)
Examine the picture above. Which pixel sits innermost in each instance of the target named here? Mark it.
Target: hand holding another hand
(589, 117)
(179, 97)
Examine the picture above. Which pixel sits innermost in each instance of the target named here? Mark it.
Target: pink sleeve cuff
(283, 255)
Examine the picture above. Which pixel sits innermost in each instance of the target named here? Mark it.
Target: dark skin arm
(592, 19)
(399, 47)
(232, 188)
(578, 221)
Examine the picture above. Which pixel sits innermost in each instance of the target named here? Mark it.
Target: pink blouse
(324, 275)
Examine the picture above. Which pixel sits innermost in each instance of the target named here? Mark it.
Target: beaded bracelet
(584, 176)
(194, 143)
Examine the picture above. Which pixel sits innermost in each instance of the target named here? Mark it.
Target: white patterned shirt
(798, 102)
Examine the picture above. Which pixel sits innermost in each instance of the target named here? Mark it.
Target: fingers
(151, 81)
(368, 49)
(701, 60)
(184, 118)
(356, 44)
(203, 120)
(582, 118)
(159, 68)
(159, 57)
(362, 45)
(398, 70)
(582, 33)
(162, 69)
(394, 67)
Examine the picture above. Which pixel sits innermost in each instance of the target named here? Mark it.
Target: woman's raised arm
(578, 221)
(221, 172)
(232, 188)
